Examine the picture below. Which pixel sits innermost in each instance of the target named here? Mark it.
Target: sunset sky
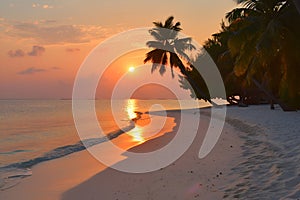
(44, 42)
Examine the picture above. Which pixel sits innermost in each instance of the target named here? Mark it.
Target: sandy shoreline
(80, 176)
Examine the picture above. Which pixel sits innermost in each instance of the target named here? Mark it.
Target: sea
(34, 131)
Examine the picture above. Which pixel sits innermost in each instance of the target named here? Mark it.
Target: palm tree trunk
(272, 97)
(272, 107)
(198, 90)
(194, 85)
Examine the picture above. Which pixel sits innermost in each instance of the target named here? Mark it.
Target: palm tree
(256, 53)
(263, 43)
(170, 50)
(218, 50)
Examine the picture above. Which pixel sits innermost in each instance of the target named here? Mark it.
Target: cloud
(16, 53)
(31, 70)
(37, 51)
(55, 68)
(47, 21)
(50, 32)
(35, 5)
(72, 50)
(45, 6)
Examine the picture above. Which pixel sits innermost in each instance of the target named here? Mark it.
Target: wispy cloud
(47, 21)
(16, 54)
(31, 70)
(37, 51)
(44, 6)
(71, 50)
(55, 68)
(50, 32)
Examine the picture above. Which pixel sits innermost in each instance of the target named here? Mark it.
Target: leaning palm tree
(261, 45)
(217, 48)
(169, 49)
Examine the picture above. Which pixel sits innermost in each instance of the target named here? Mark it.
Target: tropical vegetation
(169, 49)
(256, 51)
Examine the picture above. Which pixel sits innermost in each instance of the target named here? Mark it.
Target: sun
(131, 69)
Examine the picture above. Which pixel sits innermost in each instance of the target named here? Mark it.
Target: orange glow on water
(137, 132)
(130, 108)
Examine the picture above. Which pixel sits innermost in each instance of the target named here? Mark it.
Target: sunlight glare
(130, 108)
(137, 132)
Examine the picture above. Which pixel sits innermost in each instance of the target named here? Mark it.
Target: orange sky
(43, 43)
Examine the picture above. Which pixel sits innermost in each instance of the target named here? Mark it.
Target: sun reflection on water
(130, 108)
(137, 132)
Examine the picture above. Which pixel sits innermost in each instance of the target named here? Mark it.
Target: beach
(246, 163)
(160, 100)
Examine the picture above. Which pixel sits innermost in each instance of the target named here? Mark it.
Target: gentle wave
(12, 173)
(14, 152)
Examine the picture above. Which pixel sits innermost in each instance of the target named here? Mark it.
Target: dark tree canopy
(257, 52)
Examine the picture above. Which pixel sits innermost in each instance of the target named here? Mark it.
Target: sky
(44, 42)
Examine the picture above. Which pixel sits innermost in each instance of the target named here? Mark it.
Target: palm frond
(158, 24)
(169, 22)
(183, 55)
(173, 60)
(167, 43)
(172, 72)
(155, 56)
(155, 44)
(244, 59)
(270, 42)
(164, 59)
(162, 69)
(176, 27)
(154, 67)
(172, 34)
(237, 13)
(156, 34)
(164, 33)
(184, 44)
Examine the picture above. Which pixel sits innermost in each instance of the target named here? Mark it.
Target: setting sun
(131, 69)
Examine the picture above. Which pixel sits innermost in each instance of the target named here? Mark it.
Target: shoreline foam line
(69, 149)
(82, 145)
(74, 148)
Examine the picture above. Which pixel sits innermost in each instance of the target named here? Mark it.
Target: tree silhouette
(169, 49)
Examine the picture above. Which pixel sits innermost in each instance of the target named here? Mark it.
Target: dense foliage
(257, 52)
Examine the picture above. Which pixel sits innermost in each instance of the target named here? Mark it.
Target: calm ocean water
(33, 131)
